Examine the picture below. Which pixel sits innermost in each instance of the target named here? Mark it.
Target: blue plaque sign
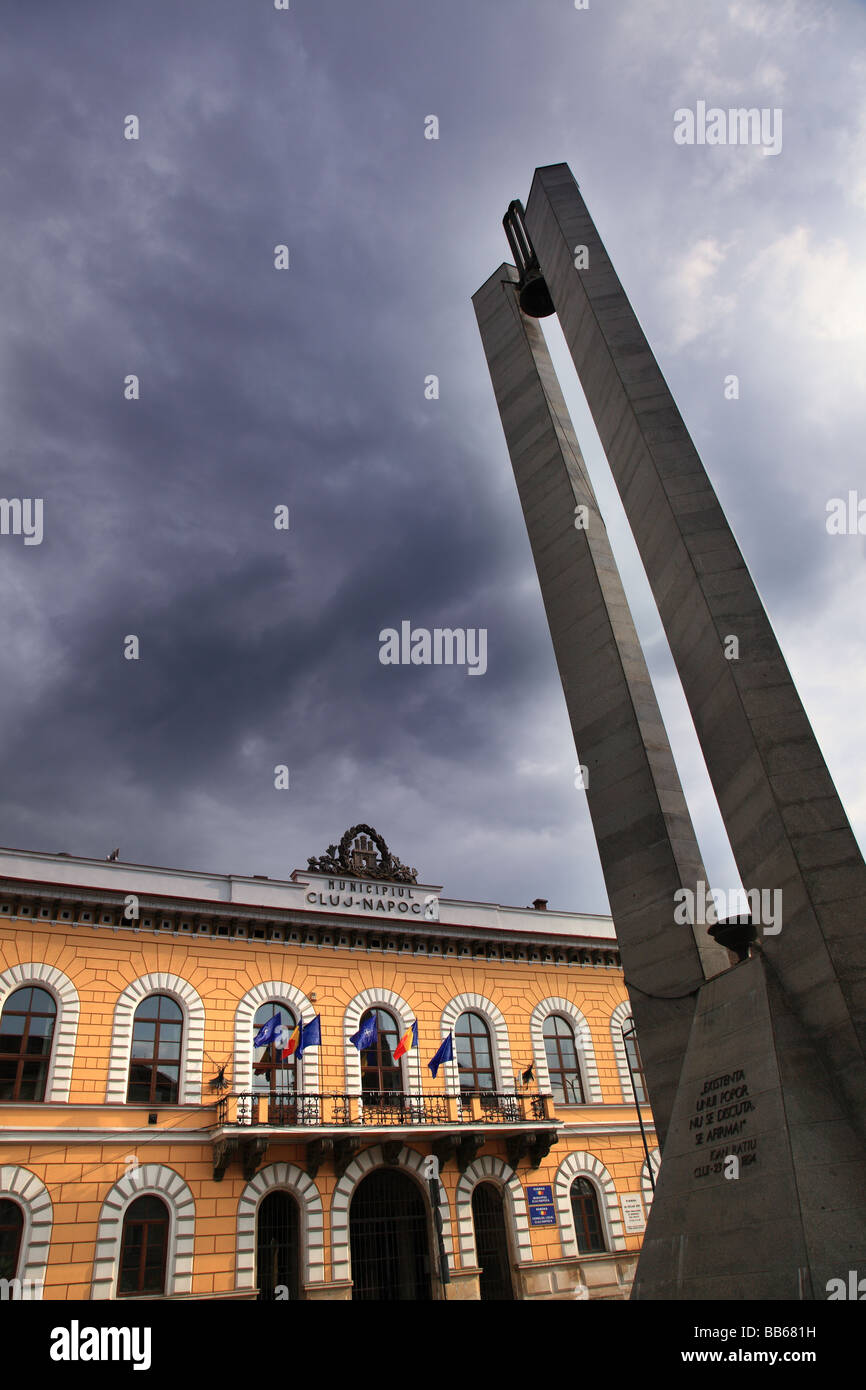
(539, 1195)
(541, 1209)
(542, 1216)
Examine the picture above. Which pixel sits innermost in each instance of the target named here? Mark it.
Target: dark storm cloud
(305, 387)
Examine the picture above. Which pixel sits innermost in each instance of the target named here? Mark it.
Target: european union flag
(311, 1035)
(445, 1054)
(268, 1031)
(367, 1034)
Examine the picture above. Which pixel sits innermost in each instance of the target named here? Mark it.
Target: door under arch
(491, 1243)
(389, 1239)
(277, 1247)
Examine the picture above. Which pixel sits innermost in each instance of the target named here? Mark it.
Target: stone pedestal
(762, 1189)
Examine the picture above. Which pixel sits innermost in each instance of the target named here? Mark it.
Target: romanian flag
(408, 1040)
(291, 1045)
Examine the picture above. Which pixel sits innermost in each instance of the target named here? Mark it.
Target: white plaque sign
(632, 1212)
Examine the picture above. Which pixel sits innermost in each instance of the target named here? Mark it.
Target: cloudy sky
(305, 387)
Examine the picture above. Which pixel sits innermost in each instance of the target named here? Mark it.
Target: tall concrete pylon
(762, 1192)
(786, 824)
(636, 803)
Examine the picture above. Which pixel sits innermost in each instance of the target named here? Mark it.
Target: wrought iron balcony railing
(290, 1110)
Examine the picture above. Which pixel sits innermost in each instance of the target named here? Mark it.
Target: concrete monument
(755, 1066)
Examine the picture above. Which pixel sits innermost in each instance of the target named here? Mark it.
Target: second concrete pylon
(785, 821)
(642, 825)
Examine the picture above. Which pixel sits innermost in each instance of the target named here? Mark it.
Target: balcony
(338, 1125)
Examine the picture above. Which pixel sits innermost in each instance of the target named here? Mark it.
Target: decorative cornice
(194, 919)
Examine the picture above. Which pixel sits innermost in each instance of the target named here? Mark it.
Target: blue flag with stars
(367, 1034)
(445, 1054)
(268, 1031)
(311, 1035)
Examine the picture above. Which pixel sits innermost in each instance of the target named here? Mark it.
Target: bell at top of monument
(532, 292)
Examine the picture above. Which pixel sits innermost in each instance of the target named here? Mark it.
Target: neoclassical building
(149, 1147)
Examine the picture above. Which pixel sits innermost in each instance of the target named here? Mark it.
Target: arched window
(474, 1054)
(143, 1248)
(635, 1065)
(389, 1240)
(26, 1030)
(562, 1063)
(272, 1071)
(11, 1228)
(491, 1243)
(379, 1072)
(278, 1247)
(587, 1217)
(154, 1066)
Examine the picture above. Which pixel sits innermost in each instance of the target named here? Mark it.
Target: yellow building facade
(150, 1149)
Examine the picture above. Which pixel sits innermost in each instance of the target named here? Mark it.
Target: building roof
(304, 892)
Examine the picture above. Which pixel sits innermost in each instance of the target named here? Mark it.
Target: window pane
(147, 1208)
(32, 1085)
(39, 1046)
(42, 1002)
(169, 1046)
(636, 1068)
(41, 1025)
(168, 1008)
(387, 1026)
(482, 1051)
(134, 1241)
(166, 1085)
(555, 1026)
(19, 1000)
(148, 1008)
(464, 1052)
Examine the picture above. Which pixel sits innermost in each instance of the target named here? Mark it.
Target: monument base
(762, 1189)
